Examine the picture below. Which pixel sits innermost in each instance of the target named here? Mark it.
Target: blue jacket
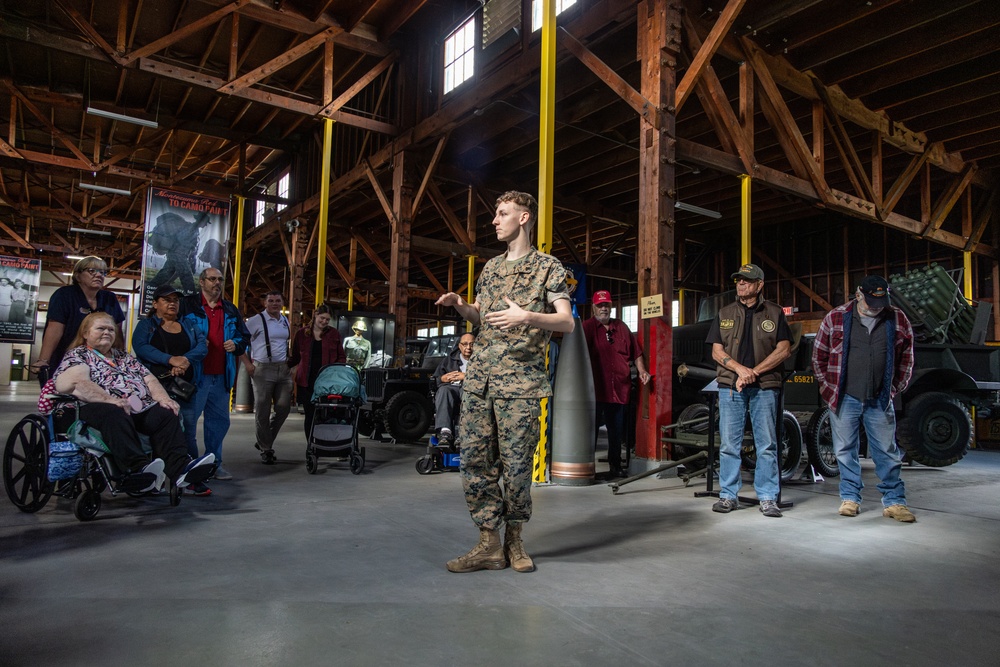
(234, 329)
(147, 353)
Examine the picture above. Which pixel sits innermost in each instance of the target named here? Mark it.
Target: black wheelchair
(26, 465)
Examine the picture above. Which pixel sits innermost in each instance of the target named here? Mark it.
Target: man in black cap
(862, 357)
(750, 340)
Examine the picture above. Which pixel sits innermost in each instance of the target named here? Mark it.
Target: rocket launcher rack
(934, 304)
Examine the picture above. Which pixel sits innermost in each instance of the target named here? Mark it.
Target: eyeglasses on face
(97, 272)
(741, 279)
(212, 279)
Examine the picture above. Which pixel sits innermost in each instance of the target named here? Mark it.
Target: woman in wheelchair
(122, 399)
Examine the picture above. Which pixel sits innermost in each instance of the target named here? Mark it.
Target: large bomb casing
(573, 413)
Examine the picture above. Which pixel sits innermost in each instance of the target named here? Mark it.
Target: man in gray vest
(272, 379)
(862, 358)
(750, 340)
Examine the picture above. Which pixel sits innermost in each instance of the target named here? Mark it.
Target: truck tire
(819, 444)
(408, 416)
(789, 449)
(936, 429)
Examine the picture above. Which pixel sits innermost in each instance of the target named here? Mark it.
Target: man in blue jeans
(750, 339)
(862, 357)
(222, 324)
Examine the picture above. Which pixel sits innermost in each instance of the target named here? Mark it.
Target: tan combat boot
(487, 555)
(513, 549)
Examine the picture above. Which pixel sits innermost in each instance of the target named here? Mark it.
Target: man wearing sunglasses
(612, 349)
(750, 339)
(223, 326)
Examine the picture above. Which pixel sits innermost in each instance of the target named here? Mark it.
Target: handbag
(65, 458)
(177, 387)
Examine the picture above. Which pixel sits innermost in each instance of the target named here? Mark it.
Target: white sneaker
(155, 468)
(196, 471)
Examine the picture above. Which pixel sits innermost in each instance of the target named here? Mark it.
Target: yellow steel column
(546, 172)
(680, 306)
(350, 298)
(745, 218)
(967, 276)
(547, 126)
(470, 289)
(324, 212)
(238, 261)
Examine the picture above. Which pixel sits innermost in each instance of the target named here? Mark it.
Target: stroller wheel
(425, 464)
(175, 495)
(312, 464)
(357, 464)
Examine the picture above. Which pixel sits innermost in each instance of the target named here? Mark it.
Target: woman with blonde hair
(69, 305)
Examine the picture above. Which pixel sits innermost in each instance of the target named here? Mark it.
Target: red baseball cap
(601, 296)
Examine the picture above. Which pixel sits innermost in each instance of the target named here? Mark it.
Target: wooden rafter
(275, 64)
(950, 196)
(358, 85)
(438, 150)
(375, 258)
(179, 34)
(450, 219)
(704, 53)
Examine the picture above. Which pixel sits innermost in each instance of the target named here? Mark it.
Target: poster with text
(19, 281)
(185, 234)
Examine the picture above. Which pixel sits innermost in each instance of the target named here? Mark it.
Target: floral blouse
(119, 373)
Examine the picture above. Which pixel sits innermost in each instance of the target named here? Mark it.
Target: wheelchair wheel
(175, 495)
(87, 505)
(312, 464)
(357, 463)
(425, 464)
(25, 464)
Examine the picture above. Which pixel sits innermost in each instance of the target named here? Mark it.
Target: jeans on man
(880, 426)
(272, 385)
(762, 405)
(212, 399)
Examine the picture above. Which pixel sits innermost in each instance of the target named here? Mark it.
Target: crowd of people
(188, 350)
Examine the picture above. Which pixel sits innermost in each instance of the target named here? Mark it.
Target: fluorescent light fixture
(691, 208)
(105, 189)
(94, 111)
(97, 232)
(75, 257)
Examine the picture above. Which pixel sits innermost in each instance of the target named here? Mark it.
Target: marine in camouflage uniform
(519, 302)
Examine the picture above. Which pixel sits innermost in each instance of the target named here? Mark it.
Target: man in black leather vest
(750, 340)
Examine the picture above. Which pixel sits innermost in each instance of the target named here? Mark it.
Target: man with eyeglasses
(448, 378)
(68, 305)
(612, 349)
(750, 339)
(862, 357)
(223, 326)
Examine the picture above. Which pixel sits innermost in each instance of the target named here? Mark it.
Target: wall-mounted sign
(651, 306)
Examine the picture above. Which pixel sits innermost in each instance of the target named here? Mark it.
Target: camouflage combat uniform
(504, 381)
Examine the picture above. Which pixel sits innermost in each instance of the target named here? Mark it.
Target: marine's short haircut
(525, 201)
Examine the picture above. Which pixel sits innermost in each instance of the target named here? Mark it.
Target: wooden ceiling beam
(703, 53)
(286, 58)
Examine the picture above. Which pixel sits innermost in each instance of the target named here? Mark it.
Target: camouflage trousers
(499, 436)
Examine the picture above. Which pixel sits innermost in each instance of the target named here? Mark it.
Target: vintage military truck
(954, 372)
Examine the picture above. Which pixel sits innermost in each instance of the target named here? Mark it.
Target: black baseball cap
(166, 290)
(876, 291)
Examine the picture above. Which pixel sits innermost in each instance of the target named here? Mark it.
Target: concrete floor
(279, 567)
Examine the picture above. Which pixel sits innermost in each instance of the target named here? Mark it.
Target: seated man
(449, 376)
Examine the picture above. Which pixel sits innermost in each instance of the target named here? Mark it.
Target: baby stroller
(60, 455)
(338, 396)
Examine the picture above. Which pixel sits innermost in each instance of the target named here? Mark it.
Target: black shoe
(199, 489)
(725, 505)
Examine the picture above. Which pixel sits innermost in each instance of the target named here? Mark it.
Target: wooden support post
(399, 269)
(659, 40)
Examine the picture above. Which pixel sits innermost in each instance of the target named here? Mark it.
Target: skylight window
(459, 55)
(536, 11)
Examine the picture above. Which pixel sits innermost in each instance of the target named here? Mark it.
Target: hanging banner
(19, 281)
(185, 234)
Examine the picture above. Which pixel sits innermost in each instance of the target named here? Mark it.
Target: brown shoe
(848, 508)
(487, 555)
(899, 513)
(513, 549)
